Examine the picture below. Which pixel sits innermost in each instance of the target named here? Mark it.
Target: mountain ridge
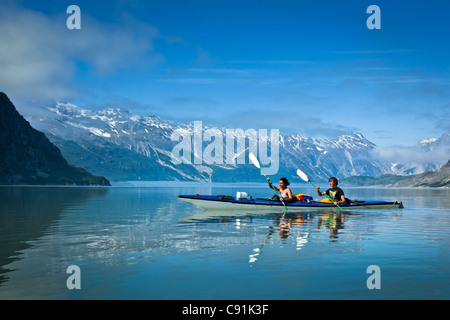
(28, 157)
(123, 146)
(435, 179)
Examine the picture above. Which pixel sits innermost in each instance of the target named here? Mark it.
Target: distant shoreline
(170, 184)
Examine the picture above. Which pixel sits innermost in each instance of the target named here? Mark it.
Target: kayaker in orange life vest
(334, 192)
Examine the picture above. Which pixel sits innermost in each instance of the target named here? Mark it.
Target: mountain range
(440, 178)
(28, 157)
(119, 145)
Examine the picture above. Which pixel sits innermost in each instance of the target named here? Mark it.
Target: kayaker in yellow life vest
(283, 189)
(334, 192)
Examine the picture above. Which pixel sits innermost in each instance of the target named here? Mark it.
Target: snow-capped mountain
(432, 144)
(119, 144)
(427, 155)
(122, 146)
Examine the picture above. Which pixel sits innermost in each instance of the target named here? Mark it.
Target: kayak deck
(229, 203)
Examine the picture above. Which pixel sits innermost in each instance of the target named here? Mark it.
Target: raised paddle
(255, 161)
(304, 177)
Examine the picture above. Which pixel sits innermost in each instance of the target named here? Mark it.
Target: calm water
(141, 242)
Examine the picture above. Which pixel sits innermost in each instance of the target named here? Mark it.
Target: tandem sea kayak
(223, 202)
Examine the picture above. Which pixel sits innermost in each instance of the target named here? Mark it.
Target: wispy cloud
(298, 123)
(273, 62)
(224, 71)
(189, 80)
(439, 153)
(442, 122)
(376, 51)
(40, 57)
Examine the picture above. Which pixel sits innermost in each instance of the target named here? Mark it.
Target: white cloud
(40, 57)
(413, 154)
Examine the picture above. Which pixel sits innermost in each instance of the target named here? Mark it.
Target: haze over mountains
(122, 146)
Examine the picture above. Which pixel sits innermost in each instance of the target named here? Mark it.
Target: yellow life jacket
(325, 200)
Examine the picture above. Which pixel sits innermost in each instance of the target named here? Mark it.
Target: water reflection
(27, 213)
(145, 243)
(334, 222)
(295, 226)
(298, 226)
(217, 216)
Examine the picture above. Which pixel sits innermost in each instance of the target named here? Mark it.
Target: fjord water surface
(139, 241)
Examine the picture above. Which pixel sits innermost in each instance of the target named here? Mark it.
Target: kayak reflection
(288, 225)
(301, 227)
(333, 221)
(220, 216)
(296, 227)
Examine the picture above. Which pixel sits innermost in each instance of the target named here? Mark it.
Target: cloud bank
(39, 56)
(425, 151)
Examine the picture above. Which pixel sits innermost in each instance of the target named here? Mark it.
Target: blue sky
(311, 67)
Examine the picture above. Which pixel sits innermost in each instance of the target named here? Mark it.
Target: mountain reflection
(27, 213)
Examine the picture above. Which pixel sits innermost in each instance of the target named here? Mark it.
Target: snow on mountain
(431, 144)
(123, 146)
(425, 156)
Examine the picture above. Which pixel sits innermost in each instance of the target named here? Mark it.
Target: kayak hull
(229, 203)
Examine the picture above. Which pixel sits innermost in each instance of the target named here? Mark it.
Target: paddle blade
(254, 160)
(302, 175)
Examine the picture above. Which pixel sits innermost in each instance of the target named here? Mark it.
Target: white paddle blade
(254, 160)
(302, 175)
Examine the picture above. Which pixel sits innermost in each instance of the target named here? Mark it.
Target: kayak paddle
(256, 163)
(304, 177)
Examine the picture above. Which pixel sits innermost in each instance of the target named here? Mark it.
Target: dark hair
(286, 182)
(334, 179)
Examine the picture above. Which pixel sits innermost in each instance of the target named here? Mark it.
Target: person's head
(333, 182)
(284, 182)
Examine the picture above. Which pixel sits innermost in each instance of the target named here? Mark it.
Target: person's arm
(318, 192)
(270, 185)
(341, 201)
